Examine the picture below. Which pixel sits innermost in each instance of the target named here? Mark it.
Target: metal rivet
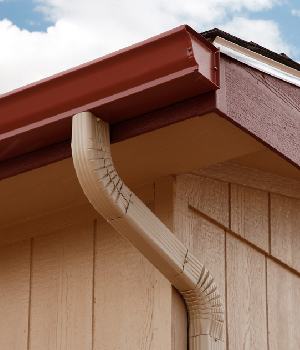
(216, 68)
(189, 49)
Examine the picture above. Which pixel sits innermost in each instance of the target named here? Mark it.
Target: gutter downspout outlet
(130, 216)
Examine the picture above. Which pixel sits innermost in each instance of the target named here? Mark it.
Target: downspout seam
(129, 215)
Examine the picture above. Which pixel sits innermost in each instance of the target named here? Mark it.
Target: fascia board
(257, 61)
(265, 107)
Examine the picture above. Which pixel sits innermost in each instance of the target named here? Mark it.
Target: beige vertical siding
(283, 308)
(205, 239)
(164, 209)
(248, 237)
(246, 296)
(14, 295)
(131, 299)
(62, 289)
(76, 283)
(210, 197)
(70, 281)
(249, 214)
(285, 230)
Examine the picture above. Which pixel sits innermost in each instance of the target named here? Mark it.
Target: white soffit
(258, 61)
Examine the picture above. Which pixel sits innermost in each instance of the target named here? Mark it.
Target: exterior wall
(249, 239)
(68, 280)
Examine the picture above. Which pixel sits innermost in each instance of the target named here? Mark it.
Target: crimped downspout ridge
(131, 217)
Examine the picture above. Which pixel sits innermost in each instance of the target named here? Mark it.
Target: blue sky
(42, 37)
(288, 22)
(24, 14)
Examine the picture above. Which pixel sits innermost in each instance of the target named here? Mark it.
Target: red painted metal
(263, 106)
(196, 106)
(36, 159)
(193, 107)
(158, 72)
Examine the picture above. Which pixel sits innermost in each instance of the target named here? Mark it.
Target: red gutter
(142, 88)
(193, 107)
(158, 72)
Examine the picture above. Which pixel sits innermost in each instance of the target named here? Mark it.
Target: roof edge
(210, 35)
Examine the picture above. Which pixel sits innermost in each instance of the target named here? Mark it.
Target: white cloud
(264, 33)
(296, 12)
(85, 30)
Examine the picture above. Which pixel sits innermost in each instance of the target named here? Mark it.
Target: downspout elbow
(128, 214)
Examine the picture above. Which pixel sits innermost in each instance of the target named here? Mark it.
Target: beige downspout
(128, 214)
